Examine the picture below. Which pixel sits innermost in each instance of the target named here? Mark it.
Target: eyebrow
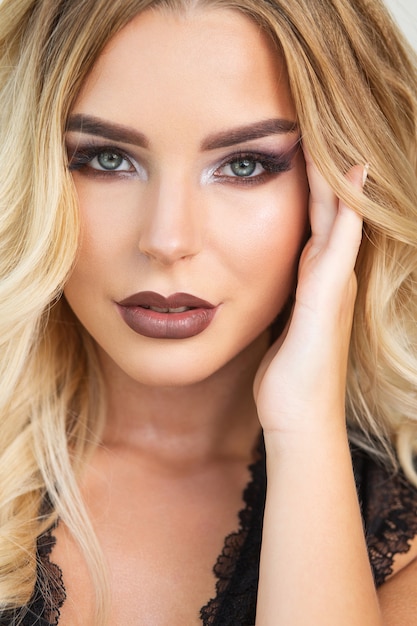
(249, 132)
(91, 125)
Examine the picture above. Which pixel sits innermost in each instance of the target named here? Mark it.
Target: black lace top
(389, 510)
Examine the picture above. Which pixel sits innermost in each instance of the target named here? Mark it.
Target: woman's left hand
(304, 372)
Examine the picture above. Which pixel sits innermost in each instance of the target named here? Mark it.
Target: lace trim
(49, 594)
(51, 588)
(389, 509)
(237, 567)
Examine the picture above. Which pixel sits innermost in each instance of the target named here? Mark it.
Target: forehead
(200, 64)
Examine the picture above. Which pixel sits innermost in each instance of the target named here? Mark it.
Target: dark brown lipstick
(178, 316)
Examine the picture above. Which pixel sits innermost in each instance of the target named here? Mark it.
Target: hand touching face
(302, 380)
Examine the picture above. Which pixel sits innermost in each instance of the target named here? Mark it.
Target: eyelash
(82, 157)
(272, 164)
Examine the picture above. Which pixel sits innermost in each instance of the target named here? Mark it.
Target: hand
(303, 376)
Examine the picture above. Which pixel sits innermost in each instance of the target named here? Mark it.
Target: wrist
(311, 438)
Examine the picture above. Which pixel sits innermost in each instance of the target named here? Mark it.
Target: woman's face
(192, 189)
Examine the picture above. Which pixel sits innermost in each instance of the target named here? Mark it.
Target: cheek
(276, 245)
(268, 241)
(108, 214)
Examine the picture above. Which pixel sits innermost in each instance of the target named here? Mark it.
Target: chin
(162, 374)
(171, 379)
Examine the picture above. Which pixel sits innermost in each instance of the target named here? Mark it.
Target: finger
(346, 234)
(328, 269)
(323, 203)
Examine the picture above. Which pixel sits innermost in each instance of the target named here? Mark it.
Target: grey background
(405, 13)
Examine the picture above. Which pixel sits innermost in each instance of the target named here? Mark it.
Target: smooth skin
(179, 210)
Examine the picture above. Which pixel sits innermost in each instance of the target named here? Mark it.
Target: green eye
(243, 167)
(109, 160)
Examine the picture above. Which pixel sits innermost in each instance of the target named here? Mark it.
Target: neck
(212, 419)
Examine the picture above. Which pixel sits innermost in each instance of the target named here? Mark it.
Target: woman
(186, 182)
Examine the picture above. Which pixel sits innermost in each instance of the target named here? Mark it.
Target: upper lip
(174, 301)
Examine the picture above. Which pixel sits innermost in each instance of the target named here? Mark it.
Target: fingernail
(365, 173)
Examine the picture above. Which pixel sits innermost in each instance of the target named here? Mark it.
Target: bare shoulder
(398, 595)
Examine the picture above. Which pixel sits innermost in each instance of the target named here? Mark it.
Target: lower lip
(149, 323)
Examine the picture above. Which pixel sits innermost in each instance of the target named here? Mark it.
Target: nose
(171, 228)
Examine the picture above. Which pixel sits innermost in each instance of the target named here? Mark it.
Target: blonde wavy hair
(354, 83)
